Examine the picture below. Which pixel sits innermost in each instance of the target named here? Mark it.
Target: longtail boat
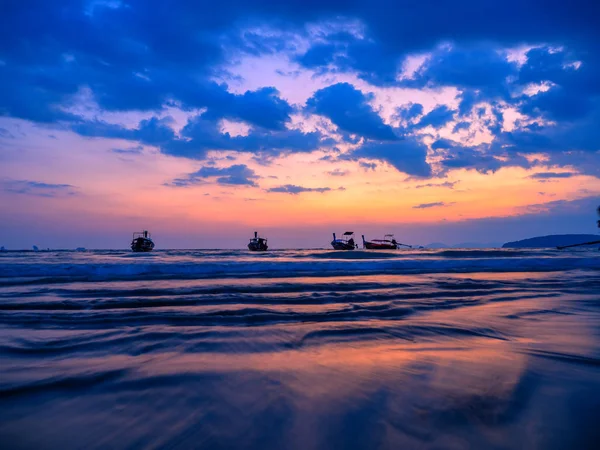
(387, 243)
(345, 243)
(142, 242)
(258, 244)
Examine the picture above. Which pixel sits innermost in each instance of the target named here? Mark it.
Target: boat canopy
(348, 233)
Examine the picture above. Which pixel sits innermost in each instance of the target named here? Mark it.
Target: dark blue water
(479, 349)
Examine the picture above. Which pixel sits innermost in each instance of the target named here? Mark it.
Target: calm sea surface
(311, 349)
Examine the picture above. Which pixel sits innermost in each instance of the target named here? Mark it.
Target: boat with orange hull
(387, 243)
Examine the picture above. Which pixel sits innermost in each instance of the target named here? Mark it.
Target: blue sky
(435, 120)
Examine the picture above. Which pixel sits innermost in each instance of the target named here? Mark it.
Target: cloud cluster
(349, 109)
(146, 56)
(202, 134)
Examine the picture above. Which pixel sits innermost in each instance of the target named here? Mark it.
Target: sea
(300, 349)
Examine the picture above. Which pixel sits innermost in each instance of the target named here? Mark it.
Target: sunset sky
(472, 121)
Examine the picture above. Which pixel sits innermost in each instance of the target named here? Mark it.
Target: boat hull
(258, 247)
(375, 246)
(342, 245)
(142, 245)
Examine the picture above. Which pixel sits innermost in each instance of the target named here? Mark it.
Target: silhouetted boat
(142, 242)
(258, 244)
(346, 243)
(387, 243)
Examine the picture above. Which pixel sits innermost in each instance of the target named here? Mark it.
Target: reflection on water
(103, 350)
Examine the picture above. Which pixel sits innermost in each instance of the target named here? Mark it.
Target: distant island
(553, 240)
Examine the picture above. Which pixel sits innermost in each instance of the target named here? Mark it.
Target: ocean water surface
(300, 349)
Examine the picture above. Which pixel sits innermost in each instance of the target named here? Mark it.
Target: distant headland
(553, 241)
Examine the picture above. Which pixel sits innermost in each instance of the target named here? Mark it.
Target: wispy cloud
(549, 175)
(129, 150)
(447, 184)
(293, 189)
(339, 173)
(38, 188)
(6, 134)
(367, 166)
(432, 205)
